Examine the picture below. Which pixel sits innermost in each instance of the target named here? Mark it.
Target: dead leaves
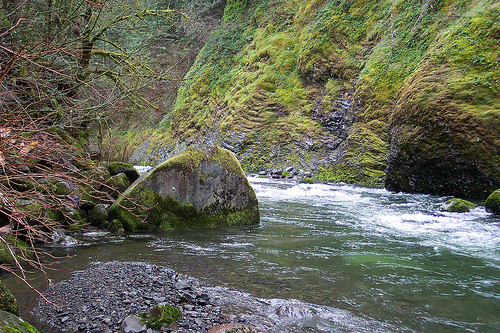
(7, 143)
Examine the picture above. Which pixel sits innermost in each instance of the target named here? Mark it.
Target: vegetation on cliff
(396, 93)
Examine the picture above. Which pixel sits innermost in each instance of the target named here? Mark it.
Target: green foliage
(306, 180)
(291, 59)
(160, 315)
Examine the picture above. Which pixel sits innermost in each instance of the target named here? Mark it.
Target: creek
(387, 257)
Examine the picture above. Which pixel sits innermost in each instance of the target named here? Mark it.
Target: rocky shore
(106, 297)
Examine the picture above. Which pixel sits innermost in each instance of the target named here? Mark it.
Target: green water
(383, 256)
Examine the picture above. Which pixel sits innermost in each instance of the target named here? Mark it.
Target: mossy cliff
(199, 188)
(398, 93)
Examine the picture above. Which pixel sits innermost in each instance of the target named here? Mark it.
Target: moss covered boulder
(457, 205)
(10, 323)
(199, 188)
(7, 301)
(492, 203)
(116, 168)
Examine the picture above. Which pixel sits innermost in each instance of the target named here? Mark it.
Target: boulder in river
(457, 205)
(199, 188)
(492, 203)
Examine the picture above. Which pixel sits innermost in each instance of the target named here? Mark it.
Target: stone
(98, 214)
(234, 327)
(492, 203)
(199, 188)
(116, 226)
(133, 324)
(116, 168)
(9, 322)
(7, 301)
(457, 205)
(117, 184)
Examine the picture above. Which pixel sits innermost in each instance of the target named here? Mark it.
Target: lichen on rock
(199, 188)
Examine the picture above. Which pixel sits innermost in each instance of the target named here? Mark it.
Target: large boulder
(199, 188)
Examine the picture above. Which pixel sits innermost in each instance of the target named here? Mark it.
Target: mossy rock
(306, 180)
(7, 301)
(116, 226)
(457, 205)
(117, 184)
(18, 246)
(160, 315)
(492, 203)
(98, 214)
(116, 168)
(10, 323)
(199, 188)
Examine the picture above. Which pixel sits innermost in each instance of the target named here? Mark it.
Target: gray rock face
(197, 188)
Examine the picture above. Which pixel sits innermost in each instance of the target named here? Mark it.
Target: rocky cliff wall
(402, 94)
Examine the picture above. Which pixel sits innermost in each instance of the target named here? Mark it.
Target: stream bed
(367, 255)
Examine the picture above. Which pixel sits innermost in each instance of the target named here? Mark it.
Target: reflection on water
(388, 256)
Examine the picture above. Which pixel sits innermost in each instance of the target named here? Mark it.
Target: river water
(386, 257)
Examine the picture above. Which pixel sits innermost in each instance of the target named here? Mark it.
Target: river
(389, 257)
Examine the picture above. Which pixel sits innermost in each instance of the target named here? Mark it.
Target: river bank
(101, 297)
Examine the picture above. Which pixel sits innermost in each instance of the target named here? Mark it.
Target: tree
(63, 66)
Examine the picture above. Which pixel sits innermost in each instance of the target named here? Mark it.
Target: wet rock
(492, 203)
(234, 327)
(92, 301)
(116, 168)
(457, 205)
(133, 324)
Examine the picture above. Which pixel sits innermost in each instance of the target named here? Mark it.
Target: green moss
(306, 180)
(190, 160)
(116, 226)
(10, 323)
(492, 203)
(19, 248)
(7, 301)
(160, 315)
(457, 205)
(169, 214)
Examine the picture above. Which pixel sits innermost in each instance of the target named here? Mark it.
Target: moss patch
(457, 205)
(7, 301)
(10, 323)
(492, 203)
(160, 316)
